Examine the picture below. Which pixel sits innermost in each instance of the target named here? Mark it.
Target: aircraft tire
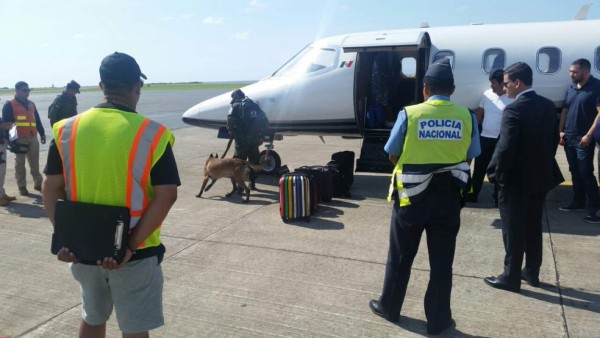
(273, 162)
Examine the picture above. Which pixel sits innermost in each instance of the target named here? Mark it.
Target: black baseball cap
(238, 93)
(120, 68)
(21, 85)
(73, 85)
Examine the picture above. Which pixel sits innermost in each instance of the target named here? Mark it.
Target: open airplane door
(388, 76)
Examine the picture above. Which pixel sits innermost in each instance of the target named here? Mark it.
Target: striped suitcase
(298, 196)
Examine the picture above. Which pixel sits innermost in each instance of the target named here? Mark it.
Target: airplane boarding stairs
(373, 157)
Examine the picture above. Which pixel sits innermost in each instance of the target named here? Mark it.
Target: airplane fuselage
(319, 91)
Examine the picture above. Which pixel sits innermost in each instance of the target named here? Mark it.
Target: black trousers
(481, 163)
(521, 231)
(581, 166)
(438, 213)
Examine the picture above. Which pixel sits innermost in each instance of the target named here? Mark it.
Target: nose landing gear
(270, 159)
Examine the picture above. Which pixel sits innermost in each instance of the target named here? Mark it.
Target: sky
(50, 42)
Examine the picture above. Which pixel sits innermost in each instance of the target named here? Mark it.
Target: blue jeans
(581, 166)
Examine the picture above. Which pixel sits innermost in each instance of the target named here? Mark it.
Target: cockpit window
(310, 60)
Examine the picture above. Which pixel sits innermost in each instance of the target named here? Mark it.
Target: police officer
(247, 124)
(430, 146)
(65, 104)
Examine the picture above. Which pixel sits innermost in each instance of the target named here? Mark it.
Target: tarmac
(237, 270)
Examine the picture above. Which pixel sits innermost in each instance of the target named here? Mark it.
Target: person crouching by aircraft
(489, 115)
(247, 124)
(430, 146)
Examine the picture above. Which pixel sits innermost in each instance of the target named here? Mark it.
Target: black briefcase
(91, 231)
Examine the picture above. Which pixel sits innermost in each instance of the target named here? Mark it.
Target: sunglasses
(25, 90)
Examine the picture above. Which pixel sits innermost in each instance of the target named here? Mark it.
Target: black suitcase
(342, 168)
(323, 179)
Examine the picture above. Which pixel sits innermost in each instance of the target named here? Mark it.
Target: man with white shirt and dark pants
(489, 115)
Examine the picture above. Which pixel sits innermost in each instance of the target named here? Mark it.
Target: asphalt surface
(237, 270)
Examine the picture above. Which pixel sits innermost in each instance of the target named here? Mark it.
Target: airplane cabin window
(310, 60)
(409, 66)
(493, 58)
(444, 54)
(548, 60)
(597, 59)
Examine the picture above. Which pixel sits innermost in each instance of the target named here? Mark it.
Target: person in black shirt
(148, 188)
(581, 107)
(65, 104)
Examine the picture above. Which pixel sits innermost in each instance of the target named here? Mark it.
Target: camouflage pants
(248, 153)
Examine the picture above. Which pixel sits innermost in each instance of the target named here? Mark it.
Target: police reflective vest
(107, 156)
(24, 118)
(438, 136)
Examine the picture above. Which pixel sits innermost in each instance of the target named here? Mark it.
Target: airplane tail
(583, 12)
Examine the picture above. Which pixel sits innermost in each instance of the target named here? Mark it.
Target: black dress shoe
(530, 279)
(500, 283)
(376, 308)
(435, 332)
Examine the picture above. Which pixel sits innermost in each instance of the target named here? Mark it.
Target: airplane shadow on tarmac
(35, 210)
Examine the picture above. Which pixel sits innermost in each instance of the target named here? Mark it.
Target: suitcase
(282, 171)
(342, 168)
(323, 179)
(298, 196)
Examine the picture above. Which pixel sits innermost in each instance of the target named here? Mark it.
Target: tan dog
(234, 168)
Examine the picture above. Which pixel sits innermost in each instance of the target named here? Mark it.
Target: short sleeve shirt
(164, 172)
(582, 104)
(493, 106)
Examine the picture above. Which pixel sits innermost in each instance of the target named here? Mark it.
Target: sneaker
(10, 198)
(592, 219)
(573, 207)
(38, 188)
(23, 191)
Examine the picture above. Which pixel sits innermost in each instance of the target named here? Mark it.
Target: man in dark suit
(525, 167)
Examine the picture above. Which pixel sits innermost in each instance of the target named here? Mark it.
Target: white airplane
(355, 84)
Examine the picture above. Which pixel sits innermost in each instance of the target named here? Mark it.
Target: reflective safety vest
(24, 118)
(107, 156)
(438, 136)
